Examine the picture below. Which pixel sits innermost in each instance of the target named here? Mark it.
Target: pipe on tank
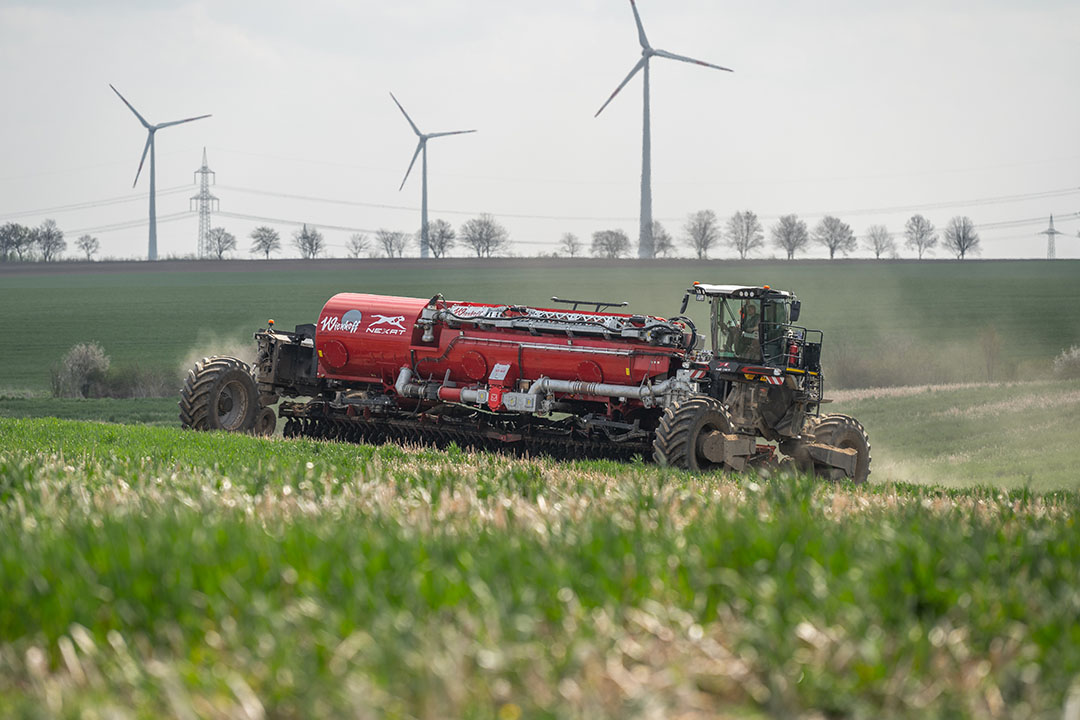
(450, 394)
(403, 387)
(406, 388)
(579, 387)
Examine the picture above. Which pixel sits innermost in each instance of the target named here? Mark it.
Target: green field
(1003, 435)
(888, 323)
(147, 571)
(128, 411)
(1008, 435)
(153, 572)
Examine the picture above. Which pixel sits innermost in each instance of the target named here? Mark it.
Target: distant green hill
(889, 323)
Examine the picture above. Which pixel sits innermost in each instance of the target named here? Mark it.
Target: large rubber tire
(265, 422)
(676, 441)
(842, 431)
(219, 394)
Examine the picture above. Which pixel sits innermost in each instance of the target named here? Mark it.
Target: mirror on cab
(795, 307)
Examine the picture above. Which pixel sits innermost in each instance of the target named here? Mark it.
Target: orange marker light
(696, 282)
(765, 286)
(270, 322)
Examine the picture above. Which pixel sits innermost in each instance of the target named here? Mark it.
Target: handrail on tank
(598, 303)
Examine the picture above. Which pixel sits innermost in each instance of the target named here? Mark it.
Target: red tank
(370, 338)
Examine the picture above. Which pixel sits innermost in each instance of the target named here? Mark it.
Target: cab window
(738, 325)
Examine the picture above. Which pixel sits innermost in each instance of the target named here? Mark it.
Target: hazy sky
(869, 110)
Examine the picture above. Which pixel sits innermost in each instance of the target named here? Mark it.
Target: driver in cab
(749, 321)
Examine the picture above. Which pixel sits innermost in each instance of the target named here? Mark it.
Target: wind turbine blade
(149, 139)
(640, 64)
(131, 108)
(419, 147)
(640, 28)
(683, 58)
(454, 132)
(180, 122)
(411, 123)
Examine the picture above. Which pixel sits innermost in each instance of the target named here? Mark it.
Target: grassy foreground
(150, 572)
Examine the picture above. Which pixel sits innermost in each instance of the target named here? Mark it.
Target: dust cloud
(239, 345)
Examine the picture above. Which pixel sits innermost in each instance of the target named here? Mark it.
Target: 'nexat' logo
(349, 322)
(387, 324)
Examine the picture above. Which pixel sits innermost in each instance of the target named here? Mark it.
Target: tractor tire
(265, 422)
(681, 426)
(219, 394)
(842, 431)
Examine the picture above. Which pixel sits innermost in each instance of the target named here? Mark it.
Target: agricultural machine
(578, 380)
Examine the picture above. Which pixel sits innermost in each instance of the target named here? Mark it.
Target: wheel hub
(232, 405)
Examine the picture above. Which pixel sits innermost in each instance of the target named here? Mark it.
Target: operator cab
(755, 324)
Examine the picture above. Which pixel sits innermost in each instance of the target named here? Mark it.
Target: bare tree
(15, 239)
(920, 234)
(485, 236)
(790, 234)
(835, 235)
(221, 241)
(744, 233)
(441, 238)
(49, 239)
(570, 244)
(7, 245)
(610, 243)
(393, 242)
(265, 241)
(880, 240)
(702, 232)
(309, 242)
(356, 245)
(88, 245)
(960, 237)
(663, 243)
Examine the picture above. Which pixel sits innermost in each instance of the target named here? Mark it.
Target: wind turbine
(422, 146)
(151, 129)
(645, 238)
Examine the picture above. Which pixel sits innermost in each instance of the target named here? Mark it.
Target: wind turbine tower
(645, 238)
(207, 203)
(149, 148)
(421, 146)
(1050, 232)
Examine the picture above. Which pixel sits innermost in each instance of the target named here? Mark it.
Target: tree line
(482, 235)
(19, 243)
(743, 232)
(703, 233)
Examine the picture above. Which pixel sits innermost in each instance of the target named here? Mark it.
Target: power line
(993, 200)
(344, 228)
(298, 223)
(91, 203)
(1020, 223)
(577, 180)
(128, 224)
(1000, 199)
